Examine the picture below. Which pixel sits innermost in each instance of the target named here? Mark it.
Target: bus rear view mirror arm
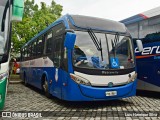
(70, 40)
(139, 45)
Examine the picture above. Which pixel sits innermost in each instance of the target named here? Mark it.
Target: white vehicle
(6, 16)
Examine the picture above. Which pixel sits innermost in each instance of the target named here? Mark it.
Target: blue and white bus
(81, 58)
(146, 27)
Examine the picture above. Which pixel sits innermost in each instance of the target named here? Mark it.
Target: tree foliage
(35, 19)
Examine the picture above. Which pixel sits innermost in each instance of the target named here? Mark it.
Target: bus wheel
(45, 88)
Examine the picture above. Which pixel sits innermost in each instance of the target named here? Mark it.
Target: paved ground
(21, 98)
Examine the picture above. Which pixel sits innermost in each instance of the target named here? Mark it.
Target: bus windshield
(116, 51)
(2, 7)
(2, 42)
(1, 45)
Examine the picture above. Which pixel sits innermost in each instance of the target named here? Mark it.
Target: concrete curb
(15, 82)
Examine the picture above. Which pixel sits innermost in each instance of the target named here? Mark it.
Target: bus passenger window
(25, 53)
(34, 52)
(57, 52)
(49, 43)
(29, 51)
(40, 46)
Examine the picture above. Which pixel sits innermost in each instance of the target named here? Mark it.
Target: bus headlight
(80, 80)
(3, 75)
(132, 78)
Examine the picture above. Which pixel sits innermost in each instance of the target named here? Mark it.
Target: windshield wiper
(115, 43)
(96, 41)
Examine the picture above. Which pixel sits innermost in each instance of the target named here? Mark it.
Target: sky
(108, 9)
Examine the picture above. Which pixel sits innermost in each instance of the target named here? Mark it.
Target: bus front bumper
(89, 93)
(3, 85)
(101, 93)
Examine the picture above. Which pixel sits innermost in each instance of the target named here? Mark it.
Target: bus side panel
(157, 73)
(146, 71)
(59, 77)
(149, 72)
(72, 92)
(148, 65)
(27, 74)
(3, 87)
(38, 77)
(35, 77)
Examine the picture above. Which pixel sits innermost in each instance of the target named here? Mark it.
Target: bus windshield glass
(114, 52)
(1, 45)
(2, 7)
(2, 42)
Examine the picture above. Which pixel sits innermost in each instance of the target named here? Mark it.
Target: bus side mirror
(70, 40)
(139, 45)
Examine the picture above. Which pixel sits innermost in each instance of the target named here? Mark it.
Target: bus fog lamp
(80, 80)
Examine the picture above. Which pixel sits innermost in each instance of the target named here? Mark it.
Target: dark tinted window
(58, 50)
(45, 44)
(25, 53)
(58, 41)
(40, 46)
(34, 45)
(22, 54)
(29, 51)
(49, 42)
(58, 29)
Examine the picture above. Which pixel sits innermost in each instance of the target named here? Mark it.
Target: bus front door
(56, 86)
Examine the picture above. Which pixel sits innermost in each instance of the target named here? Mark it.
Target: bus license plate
(111, 93)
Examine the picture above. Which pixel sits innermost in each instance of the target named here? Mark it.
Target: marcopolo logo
(149, 50)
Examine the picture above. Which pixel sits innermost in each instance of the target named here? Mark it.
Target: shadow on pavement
(85, 104)
(149, 94)
(94, 104)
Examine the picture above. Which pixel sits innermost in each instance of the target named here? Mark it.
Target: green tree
(35, 20)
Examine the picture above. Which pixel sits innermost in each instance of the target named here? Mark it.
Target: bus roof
(145, 15)
(85, 22)
(95, 23)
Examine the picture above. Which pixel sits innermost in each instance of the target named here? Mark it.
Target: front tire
(45, 88)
